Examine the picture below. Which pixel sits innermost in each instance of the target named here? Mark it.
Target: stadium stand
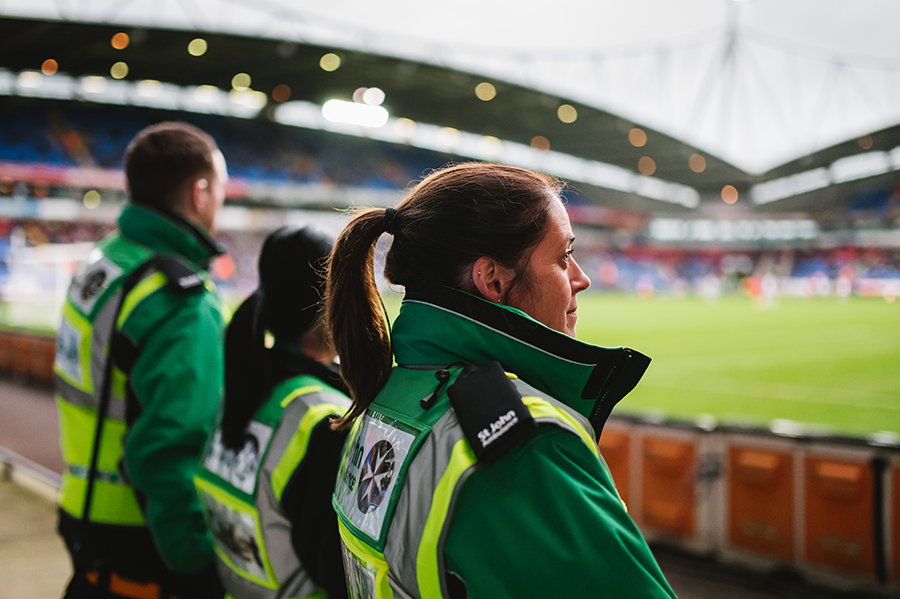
(46, 132)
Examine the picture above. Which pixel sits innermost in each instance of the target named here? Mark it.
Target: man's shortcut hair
(162, 158)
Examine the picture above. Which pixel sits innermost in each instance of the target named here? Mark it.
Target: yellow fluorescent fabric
(541, 408)
(296, 449)
(112, 503)
(427, 568)
(138, 294)
(298, 392)
(77, 426)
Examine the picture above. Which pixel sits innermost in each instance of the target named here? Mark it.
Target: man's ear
(199, 194)
(491, 278)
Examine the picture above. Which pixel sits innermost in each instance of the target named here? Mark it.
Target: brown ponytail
(358, 324)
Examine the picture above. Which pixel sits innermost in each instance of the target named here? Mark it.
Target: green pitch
(835, 366)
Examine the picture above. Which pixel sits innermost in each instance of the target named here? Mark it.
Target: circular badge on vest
(377, 473)
(92, 284)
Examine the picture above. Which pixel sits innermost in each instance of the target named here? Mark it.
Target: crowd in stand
(643, 270)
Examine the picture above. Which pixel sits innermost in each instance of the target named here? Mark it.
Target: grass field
(814, 361)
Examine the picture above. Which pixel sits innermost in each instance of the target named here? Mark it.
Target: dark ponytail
(355, 314)
(287, 304)
(247, 372)
(449, 220)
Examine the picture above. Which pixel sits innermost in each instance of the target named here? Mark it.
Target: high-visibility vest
(395, 492)
(241, 491)
(94, 310)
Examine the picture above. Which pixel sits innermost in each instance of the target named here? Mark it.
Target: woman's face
(553, 277)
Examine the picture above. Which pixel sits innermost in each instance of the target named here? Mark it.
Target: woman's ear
(492, 279)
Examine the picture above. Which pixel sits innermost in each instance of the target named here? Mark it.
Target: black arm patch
(490, 411)
(182, 278)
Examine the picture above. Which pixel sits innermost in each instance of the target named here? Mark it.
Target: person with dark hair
(268, 470)
(139, 376)
(472, 467)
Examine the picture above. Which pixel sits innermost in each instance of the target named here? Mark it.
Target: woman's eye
(568, 254)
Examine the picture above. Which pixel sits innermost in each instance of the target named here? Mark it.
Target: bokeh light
(485, 92)
(637, 137)
(240, 82)
(120, 40)
(281, 93)
(729, 194)
(119, 70)
(567, 113)
(206, 94)
(449, 136)
(49, 67)
(373, 96)
(330, 62)
(540, 143)
(697, 163)
(149, 88)
(91, 199)
(405, 127)
(29, 79)
(197, 47)
(491, 145)
(646, 165)
(248, 98)
(865, 142)
(94, 84)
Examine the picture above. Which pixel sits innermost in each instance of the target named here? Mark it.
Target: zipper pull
(442, 376)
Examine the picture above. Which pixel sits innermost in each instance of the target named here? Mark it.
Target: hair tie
(389, 220)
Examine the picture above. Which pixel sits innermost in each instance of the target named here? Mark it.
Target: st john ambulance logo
(377, 474)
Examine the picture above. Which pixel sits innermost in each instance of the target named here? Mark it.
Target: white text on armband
(498, 427)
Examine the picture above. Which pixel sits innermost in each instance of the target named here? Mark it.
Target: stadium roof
(768, 92)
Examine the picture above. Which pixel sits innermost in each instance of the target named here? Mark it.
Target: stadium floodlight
(859, 166)
(94, 84)
(249, 98)
(148, 88)
(30, 79)
(353, 113)
(895, 158)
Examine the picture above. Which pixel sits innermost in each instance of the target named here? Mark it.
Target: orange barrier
(614, 447)
(669, 485)
(27, 356)
(43, 354)
(760, 491)
(839, 515)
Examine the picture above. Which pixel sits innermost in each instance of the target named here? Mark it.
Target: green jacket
(150, 443)
(542, 519)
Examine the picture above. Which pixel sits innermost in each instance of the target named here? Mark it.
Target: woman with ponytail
(268, 470)
(472, 468)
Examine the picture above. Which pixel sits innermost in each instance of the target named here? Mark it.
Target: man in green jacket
(139, 377)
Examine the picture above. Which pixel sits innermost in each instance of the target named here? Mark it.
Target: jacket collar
(440, 326)
(167, 232)
(288, 361)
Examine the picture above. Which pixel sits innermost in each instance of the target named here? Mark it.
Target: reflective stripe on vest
(82, 351)
(424, 509)
(240, 493)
